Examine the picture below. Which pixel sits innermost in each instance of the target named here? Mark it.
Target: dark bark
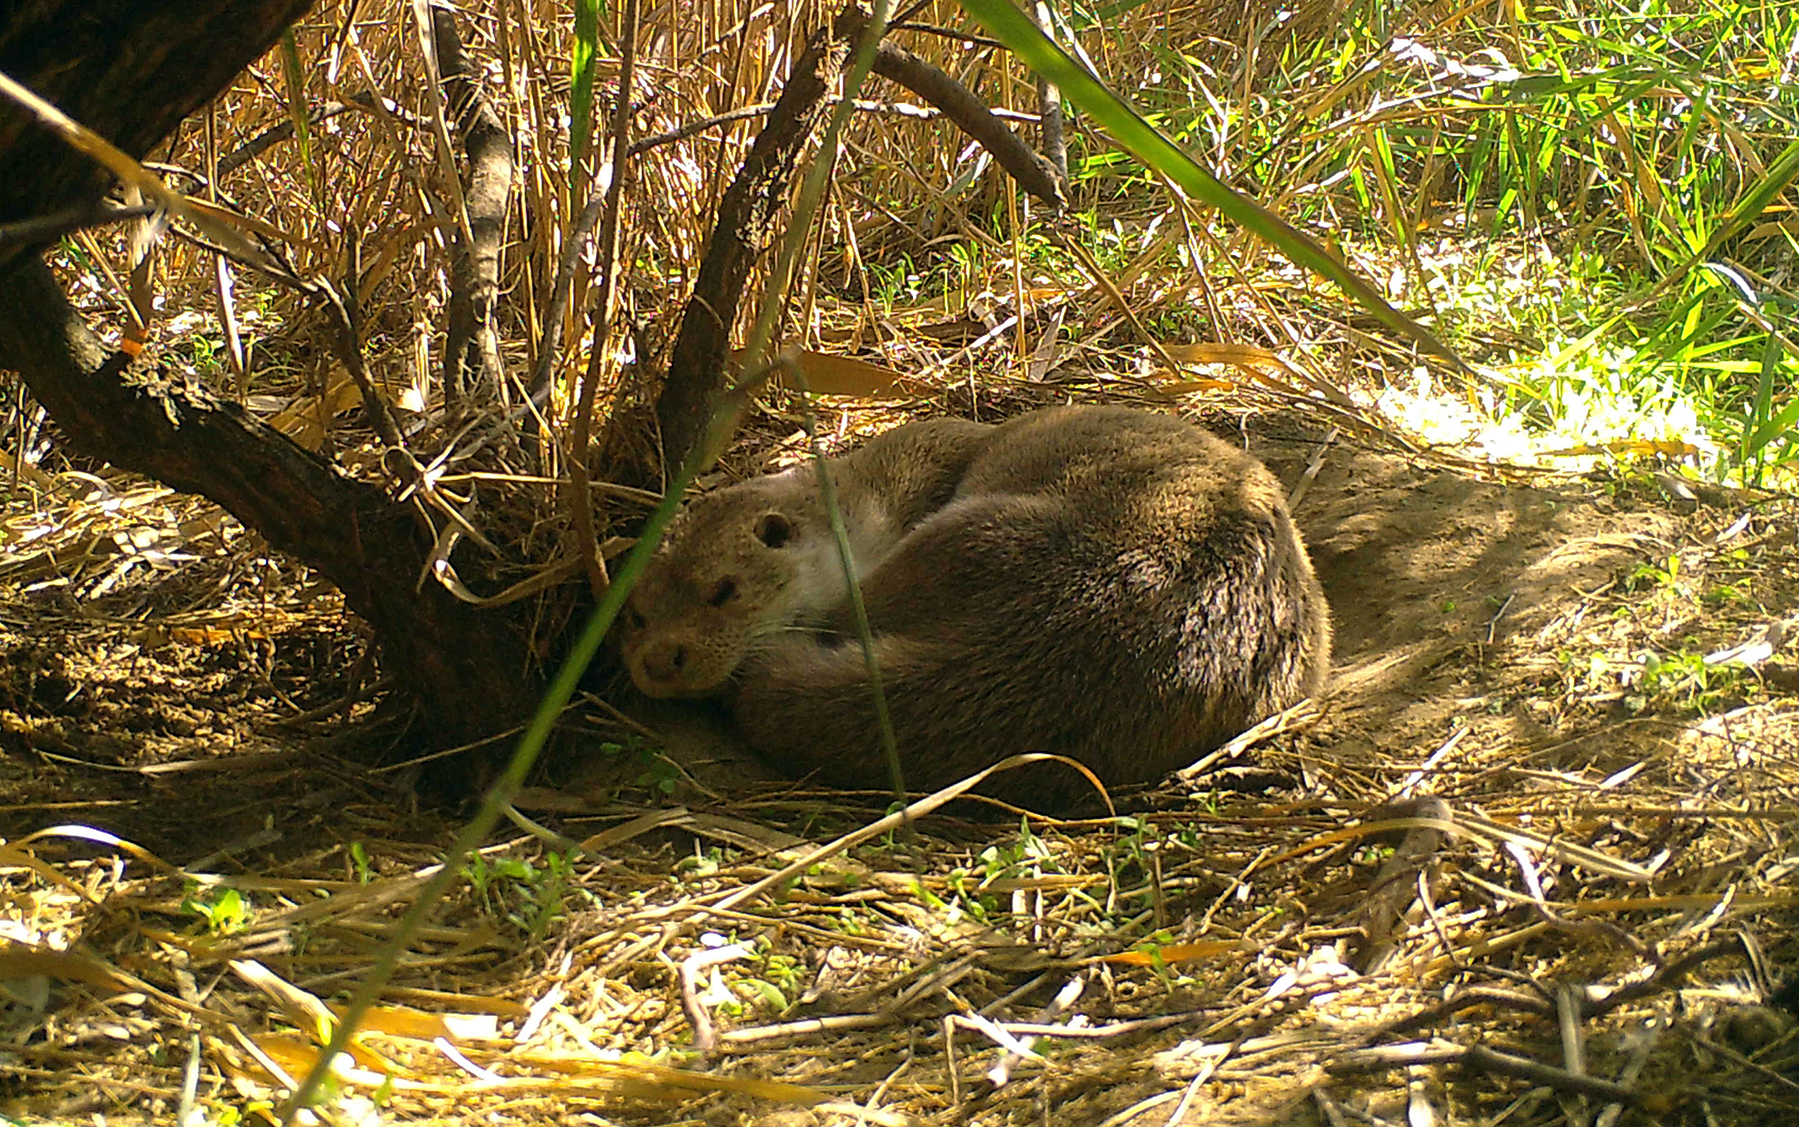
(696, 369)
(1049, 103)
(468, 670)
(472, 340)
(131, 70)
(48, 228)
(696, 366)
(1033, 173)
(128, 69)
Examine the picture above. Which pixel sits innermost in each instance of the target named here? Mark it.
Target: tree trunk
(131, 70)
(472, 364)
(746, 215)
(468, 668)
(696, 368)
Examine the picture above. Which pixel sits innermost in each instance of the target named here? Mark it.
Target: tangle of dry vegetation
(1512, 872)
(371, 190)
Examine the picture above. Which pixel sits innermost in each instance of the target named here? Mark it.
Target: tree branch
(472, 341)
(696, 368)
(1033, 173)
(87, 57)
(182, 435)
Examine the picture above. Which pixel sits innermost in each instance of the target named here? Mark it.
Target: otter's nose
(659, 666)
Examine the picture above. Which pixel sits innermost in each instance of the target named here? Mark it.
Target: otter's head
(737, 567)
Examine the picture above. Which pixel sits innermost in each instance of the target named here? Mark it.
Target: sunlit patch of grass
(1592, 182)
(1539, 411)
(1579, 406)
(1556, 387)
(1606, 396)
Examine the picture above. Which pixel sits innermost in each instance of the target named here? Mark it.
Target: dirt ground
(1529, 862)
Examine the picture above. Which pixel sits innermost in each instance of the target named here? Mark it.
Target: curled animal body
(1109, 584)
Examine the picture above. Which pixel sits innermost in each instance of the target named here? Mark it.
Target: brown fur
(1110, 584)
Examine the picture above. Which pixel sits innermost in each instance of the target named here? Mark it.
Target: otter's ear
(774, 530)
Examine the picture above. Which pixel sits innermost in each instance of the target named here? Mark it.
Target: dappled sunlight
(1527, 858)
(1543, 416)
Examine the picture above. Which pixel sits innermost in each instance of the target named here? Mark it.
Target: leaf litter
(1535, 850)
(1529, 862)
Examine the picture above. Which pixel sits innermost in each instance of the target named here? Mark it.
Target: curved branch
(131, 70)
(1032, 172)
(189, 439)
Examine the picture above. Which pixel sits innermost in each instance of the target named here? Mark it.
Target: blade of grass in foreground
(1128, 128)
(583, 55)
(537, 733)
(719, 429)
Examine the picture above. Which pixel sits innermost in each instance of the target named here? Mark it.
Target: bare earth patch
(1529, 863)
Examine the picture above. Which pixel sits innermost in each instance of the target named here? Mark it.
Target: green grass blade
(1011, 27)
(530, 744)
(1757, 198)
(297, 112)
(583, 56)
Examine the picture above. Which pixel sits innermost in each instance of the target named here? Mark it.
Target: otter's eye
(633, 618)
(723, 593)
(774, 530)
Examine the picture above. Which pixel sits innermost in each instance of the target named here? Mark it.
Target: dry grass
(1504, 816)
(1495, 815)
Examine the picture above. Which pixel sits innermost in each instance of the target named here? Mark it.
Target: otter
(1109, 584)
